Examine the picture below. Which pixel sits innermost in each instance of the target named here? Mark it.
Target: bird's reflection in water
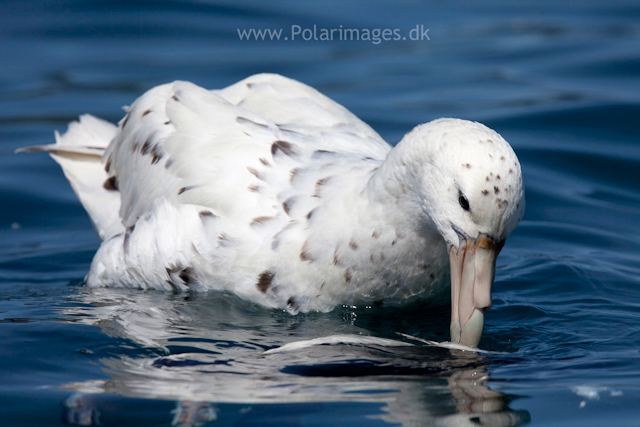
(193, 414)
(199, 359)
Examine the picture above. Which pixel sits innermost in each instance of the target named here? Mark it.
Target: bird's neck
(397, 186)
(384, 248)
(406, 246)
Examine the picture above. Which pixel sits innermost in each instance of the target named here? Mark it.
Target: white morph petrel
(270, 190)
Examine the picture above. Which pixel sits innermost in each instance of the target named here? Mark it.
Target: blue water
(559, 80)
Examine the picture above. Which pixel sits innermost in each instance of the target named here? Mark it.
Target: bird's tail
(79, 152)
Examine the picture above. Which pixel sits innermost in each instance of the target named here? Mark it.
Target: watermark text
(373, 35)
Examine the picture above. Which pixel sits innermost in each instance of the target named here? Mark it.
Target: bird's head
(470, 187)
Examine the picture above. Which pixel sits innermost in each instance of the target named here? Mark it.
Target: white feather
(272, 191)
(79, 152)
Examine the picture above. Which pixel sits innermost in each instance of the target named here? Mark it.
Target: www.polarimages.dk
(374, 35)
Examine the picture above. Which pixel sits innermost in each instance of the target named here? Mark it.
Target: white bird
(272, 191)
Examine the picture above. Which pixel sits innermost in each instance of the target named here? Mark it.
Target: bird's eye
(463, 202)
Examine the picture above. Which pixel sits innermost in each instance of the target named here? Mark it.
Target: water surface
(560, 81)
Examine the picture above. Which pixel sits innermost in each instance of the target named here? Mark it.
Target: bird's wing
(234, 150)
(297, 107)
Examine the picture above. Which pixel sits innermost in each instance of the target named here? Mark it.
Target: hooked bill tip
(472, 330)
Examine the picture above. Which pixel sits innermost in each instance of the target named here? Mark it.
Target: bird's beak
(473, 267)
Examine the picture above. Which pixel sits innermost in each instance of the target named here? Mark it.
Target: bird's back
(252, 189)
(233, 150)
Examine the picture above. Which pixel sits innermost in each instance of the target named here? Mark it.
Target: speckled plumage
(270, 190)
